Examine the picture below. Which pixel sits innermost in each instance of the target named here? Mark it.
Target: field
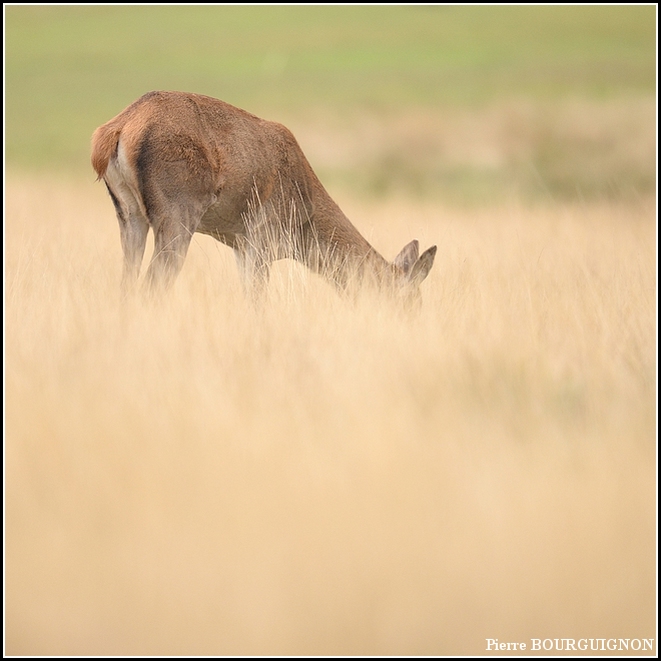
(316, 478)
(319, 476)
(461, 102)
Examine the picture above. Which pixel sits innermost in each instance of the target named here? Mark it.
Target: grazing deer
(183, 163)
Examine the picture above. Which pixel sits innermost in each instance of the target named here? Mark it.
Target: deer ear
(407, 256)
(422, 267)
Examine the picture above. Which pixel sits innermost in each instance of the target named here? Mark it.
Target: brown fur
(104, 147)
(181, 163)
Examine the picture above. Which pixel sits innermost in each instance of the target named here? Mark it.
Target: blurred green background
(455, 101)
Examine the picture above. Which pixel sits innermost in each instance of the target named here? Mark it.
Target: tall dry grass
(319, 477)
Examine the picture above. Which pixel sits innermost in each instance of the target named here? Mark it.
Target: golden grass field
(318, 477)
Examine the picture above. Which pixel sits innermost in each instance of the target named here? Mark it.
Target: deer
(181, 163)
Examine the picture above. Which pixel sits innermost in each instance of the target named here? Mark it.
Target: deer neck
(337, 250)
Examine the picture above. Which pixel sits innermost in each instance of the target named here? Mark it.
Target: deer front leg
(254, 270)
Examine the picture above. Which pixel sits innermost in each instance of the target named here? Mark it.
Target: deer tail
(104, 146)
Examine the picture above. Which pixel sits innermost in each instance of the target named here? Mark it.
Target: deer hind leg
(172, 237)
(133, 233)
(133, 229)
